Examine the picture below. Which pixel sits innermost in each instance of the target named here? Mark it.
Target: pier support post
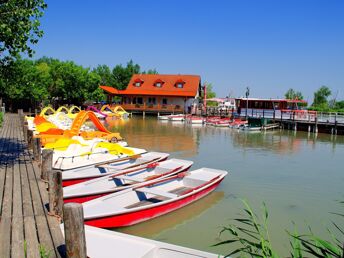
(295, 126)
(309, 128)
(25, 129)
(315, 129)
(335, 125)
(47, 163)
(73, 216)
(36, 148)
(29, 138)
(55, 192)
(143, 114)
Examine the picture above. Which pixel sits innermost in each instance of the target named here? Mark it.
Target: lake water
(299, 176)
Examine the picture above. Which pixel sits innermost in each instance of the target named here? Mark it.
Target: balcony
(153, 108)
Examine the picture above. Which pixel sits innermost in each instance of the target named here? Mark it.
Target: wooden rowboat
(78, 175)
(101, 243)
(151, 200)
(123, 179)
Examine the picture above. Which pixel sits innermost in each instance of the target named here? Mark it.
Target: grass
(43, 252)
(250, 236)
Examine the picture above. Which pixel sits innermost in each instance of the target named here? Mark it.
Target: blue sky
(267, 45)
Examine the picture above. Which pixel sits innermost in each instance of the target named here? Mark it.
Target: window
(164, 101)
(140, 100)
(138, 82)
(179, 84)
(158, 83)
(151, 101)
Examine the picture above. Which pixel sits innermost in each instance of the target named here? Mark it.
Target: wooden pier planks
(25, 225)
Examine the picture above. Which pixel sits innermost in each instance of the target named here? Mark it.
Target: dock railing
(296, 115)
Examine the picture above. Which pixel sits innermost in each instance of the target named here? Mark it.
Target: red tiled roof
(190, 88)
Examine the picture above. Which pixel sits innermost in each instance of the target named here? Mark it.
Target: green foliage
(43, 252)
(122, 75)
(19, 27)
(292, 94)
(210, 93)
(252, 235)
(47, 79)
(320, 97)
(1, 118)
(105, 74)
(253, 239)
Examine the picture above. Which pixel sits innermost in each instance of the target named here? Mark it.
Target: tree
(122, 75)
(150, 71)
(292, 94)
(210, 93)
(105, 74)
(19, 27)
(320, 97)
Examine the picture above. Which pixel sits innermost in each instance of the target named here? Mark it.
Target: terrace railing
(153, 107)
(296, 115)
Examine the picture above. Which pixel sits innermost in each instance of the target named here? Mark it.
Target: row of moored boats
(120, 185)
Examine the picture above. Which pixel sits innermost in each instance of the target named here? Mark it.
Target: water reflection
(184, 139)
(174, 219)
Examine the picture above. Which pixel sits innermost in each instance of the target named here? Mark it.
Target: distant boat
(101, 243)
(151, 200)
(195, 120)
(123, 179)
(176, 118)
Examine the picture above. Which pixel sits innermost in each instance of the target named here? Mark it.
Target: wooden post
(36, 112)
(335, 124)
(281, 116)
(73, 216)
(55, 192)
(36, 148)
(25, 129)
(29, 138)
(316, 125)
(274, 116)
(47, 163)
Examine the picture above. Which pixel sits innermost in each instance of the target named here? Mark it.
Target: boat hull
(135, 217)
(76, 181)
(82, 199)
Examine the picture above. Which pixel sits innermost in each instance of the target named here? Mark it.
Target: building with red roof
(158, 93)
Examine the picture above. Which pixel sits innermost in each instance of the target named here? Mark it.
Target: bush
(1, 118)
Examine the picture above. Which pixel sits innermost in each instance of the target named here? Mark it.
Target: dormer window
(179, 84)
(138, 82)
(158, 83)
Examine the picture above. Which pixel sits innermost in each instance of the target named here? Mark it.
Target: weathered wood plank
(31, 238)
(17, 214)
(5, 237)
(44, 235)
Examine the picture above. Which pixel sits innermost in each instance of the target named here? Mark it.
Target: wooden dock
(26, 228)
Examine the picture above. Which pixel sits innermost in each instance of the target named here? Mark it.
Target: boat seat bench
(130, 178)
(157, 192)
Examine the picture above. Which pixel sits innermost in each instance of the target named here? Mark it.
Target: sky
(266, 45)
